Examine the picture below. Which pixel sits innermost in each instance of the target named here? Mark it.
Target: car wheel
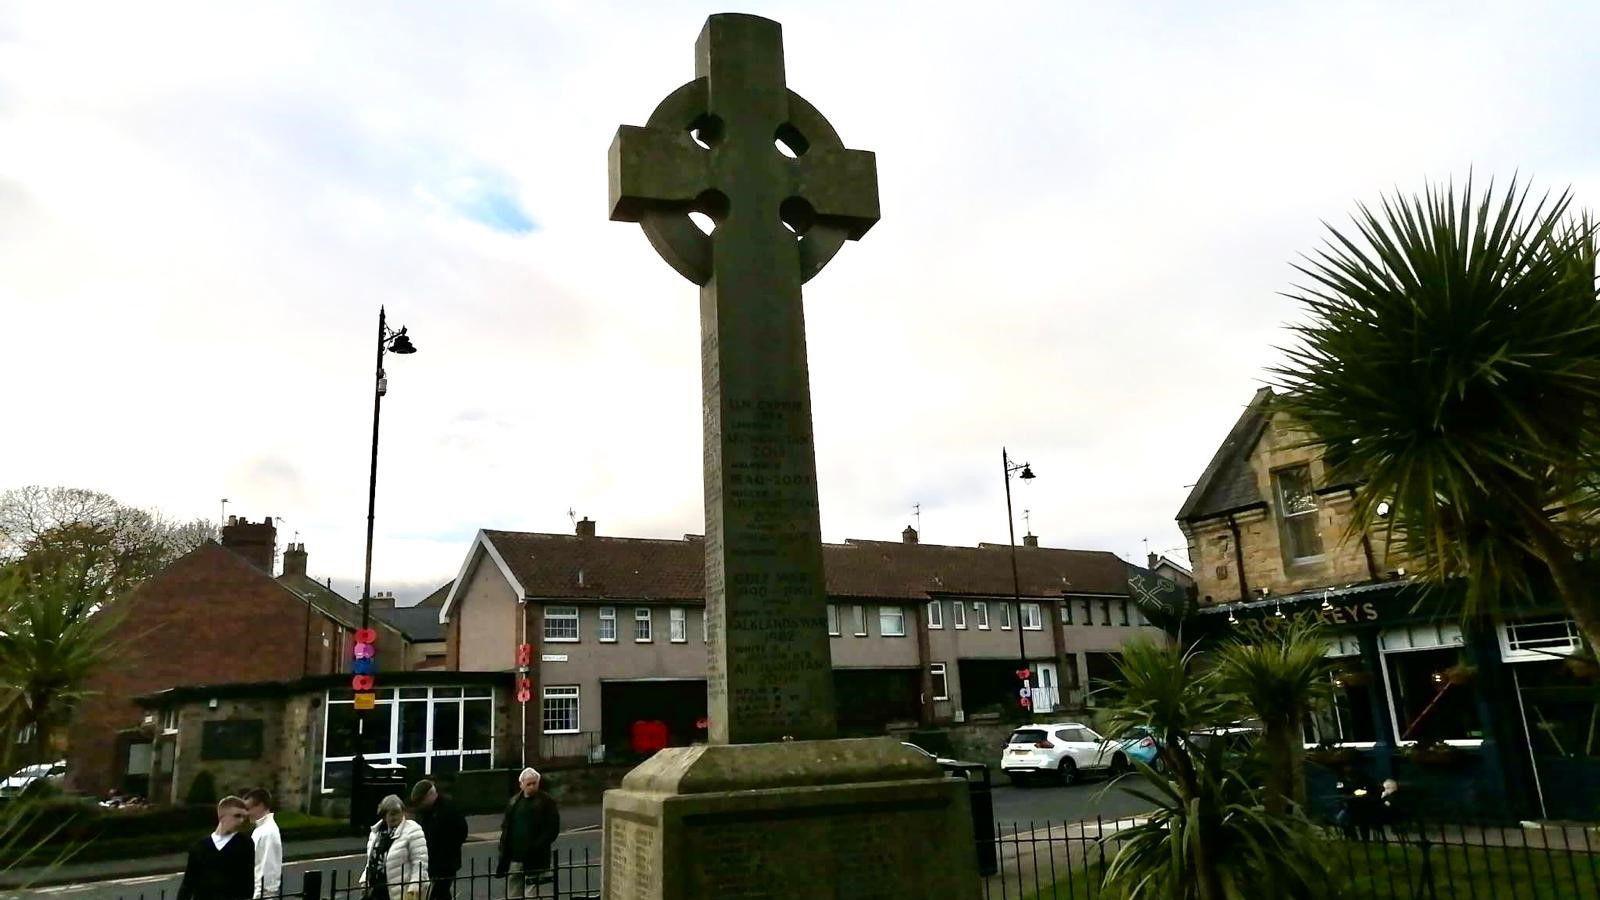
(1067, 771)
(1119, 765)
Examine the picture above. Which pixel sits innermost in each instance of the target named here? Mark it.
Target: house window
(561, 709)
(859, 615)
(1297, 507)
(980, 612)
(641, 625)
(1540, 639)
(1005, 617)
(705, 626)
(678, 625)
(935, 614)
(560, 624)
(833, 619)
(958, 614)
(1066, 612)
(1105, 612)
(891, 621)
(941, 684)
(169, 719)
(1030, 617)
(608, 623)
(1123, 606)
(1088, 611)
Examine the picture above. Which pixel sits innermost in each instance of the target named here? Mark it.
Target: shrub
(203, 790)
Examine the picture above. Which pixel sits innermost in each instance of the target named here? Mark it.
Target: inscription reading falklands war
(709, 147)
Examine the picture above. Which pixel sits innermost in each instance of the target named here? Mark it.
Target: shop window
(560, 624)
(560, 709)
(414, 726)
(446, 726)
(980, 613)
(935, 614)
(891, 621)
(477, 732)
(1348, 718)
(1297, 513)
(1426, 700)
(608, 624)
(1539, 639)
(941, 681)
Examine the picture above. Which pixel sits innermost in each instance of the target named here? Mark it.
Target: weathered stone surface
(769, 676)
(843, 818)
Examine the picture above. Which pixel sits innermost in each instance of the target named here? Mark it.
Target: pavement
(1016, 811)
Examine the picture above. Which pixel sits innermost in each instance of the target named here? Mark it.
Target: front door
(1045, 695)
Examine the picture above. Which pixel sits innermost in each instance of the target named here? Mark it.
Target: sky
(1090, 213)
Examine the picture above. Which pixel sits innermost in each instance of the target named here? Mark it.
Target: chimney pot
(257, 542)
(586, 527)
(1153, 559)
(1030, 540)
(294, 560)
(909, 536)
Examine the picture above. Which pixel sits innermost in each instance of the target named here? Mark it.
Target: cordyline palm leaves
(1280, 678)
(1451, 365)
(1208, 838)
(51, 644)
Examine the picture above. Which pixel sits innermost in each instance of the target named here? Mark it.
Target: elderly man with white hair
(527, 835)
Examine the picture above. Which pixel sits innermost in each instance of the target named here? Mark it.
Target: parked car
(941, 760)
(1061, 751)
(30, 778)
(1139, 744)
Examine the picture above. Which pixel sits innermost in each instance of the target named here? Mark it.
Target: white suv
(1059, 751)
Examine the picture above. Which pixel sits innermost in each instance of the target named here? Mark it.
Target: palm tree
(1281, 678)
(1451, 364)
(1208, 838)
(52, 641)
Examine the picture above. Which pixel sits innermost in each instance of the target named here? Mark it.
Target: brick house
(214, 616)
(1270, 537)
(920, 633)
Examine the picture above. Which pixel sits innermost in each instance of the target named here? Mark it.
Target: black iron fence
(1067, 861)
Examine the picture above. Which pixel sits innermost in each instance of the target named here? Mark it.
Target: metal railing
(581, 745)
(1067, 860)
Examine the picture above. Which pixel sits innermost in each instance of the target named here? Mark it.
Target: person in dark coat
(446, 829)
(222, 865)
(527, 834)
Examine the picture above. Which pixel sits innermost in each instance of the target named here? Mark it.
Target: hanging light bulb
(1326, 603)
(1232, 619)
(1278, 611)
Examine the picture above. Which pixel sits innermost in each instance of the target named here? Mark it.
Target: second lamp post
(1024, 472)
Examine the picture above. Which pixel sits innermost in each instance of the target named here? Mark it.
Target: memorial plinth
(864, 817)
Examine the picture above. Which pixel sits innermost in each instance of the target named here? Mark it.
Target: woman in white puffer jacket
(397, 856)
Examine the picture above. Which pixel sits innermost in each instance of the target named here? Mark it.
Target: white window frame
(677, 625)
(958, 614)
(169, 720)
(935, 614)
(940, 676)
(561, 615)
(1005, 616)
(1031, 613)
(561, 692)
(436, 696)
(705, 626)
(1516, 650)
(1405, 639)
(643, 616)
(833, 620)
(1285, 516)
(860, 613)
(887, 614)
(608, 617)
(980, 614)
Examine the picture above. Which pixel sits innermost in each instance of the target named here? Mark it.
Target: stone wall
(291, 735)
(1260, 532)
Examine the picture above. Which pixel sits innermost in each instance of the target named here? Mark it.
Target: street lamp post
(1023, 471)
(390, 342)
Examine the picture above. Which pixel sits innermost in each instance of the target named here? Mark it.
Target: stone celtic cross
(712, 146)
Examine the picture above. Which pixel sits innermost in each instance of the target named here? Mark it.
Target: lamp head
(401, 344)
(1027, 472)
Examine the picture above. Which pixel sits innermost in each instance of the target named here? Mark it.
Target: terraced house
(921, 633)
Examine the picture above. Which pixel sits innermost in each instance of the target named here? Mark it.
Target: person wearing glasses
(222, 865)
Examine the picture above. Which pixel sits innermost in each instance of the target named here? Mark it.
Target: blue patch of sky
(488, 198)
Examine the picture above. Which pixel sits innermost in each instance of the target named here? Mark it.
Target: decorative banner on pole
(366, 701)
(524, 688)
(524, 655)
(361, 683)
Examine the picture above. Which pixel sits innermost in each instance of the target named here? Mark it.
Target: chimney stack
(586, 527)
(1152, 559)
(294, 560)
(257, 542)
(1030, 540)
(909, 536)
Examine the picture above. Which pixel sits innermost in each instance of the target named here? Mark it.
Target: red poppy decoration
(524, 684)
(702, 723)
(361, 683)
(366, 635)
(1024, 674)
(524, 696)
(524, 654)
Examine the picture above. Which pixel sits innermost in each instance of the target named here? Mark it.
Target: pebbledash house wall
(1254, 533)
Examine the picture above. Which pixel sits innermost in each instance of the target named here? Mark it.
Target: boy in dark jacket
(222, 864)
(446, 830)
(527, 834)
